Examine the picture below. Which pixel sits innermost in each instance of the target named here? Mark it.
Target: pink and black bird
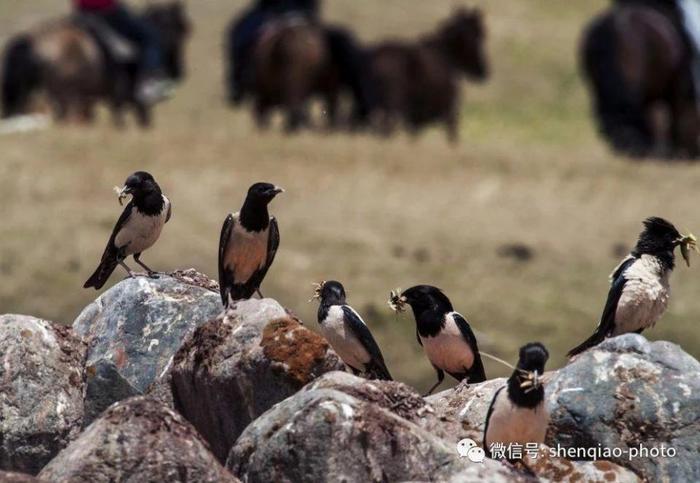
(248, 244)
(137, 229)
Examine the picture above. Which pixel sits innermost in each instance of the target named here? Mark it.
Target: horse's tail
(351, 60)
(21, 75)
(619, 109)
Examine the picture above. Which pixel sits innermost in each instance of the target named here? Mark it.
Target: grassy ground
(373, 213)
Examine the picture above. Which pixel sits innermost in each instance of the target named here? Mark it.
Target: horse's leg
(262, 114)
(686, 128)
(143, 114)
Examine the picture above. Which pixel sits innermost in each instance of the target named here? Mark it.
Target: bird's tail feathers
(592, 341)
(104, 270)
(378, 370)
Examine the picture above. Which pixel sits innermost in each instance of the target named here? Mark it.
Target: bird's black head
(425, 298)
(659, 238)
(533, 357)
(263, 193)
(139, 185)
(332, 293)
(525, 387)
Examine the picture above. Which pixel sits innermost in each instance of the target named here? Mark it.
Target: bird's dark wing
(488, 419)
(225, 280)
(273, 242)
(362, 332)
(607, 320)
(110, 256)
(170, 211)
(476, 373)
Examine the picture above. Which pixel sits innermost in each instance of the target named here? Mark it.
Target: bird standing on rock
(347, 333)
(137, 229)
(445, 335)
(248, 244)
(518, 414)
(640, 288)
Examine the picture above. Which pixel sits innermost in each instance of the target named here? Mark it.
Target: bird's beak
(397, 301)
(278, 190)
(688, 242)
(122, 193)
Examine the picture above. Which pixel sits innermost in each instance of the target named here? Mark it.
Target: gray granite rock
(236, 367)
(134, 329)
(626, 393)
(324, 435)
(137, 440)
(41, 391)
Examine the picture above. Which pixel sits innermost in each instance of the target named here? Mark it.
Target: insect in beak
(318, 288)
(688, 242)
(397, 302)
(122, 193)
(531, 382)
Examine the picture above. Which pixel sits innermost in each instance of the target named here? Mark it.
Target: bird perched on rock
(445, 335)
(518, 414)
(248, 244)
(640, 289)
(347, 333)
(137, 229)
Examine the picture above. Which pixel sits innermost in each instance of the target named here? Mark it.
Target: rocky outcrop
(10, 477)
(395, 397)
(41, 391)
(324, 435)
(236, 367)
(137, 440)
(628, 393)
(134, 329)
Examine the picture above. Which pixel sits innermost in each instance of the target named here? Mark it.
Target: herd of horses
(635, 59)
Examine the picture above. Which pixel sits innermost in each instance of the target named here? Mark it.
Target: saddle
(119, 49)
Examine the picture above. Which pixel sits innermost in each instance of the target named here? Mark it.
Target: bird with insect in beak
(248, 244)
(640, 290)
(445, 335)
(347, 333)
(137, 229)
(518, 413)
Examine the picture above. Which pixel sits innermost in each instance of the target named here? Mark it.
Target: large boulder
(627, 394)
(398, 398)
(134, 329)
(325, 435)
(137, 440)
(41, 391)
(10, 477)
(237, 366)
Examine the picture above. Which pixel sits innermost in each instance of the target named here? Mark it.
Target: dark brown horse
(636, 60)
(290, 60)
(74, 69)
(418, 83)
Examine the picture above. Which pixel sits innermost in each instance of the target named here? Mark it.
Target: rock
(138, 439)
(626, 393)
(325, 435)
(467, 404)
(135, 328)
(396, 397)
(8, 477)
(41, 391)
(548, 466)
(235, 368)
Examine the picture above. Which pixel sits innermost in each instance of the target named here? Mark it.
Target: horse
(417, 82)
(293, 59)
(635, 59)
(71, 62)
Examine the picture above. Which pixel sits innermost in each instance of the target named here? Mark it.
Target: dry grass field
(374, 213)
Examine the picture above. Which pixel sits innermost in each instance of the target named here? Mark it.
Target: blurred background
(520, 221)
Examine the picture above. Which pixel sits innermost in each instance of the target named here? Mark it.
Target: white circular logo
(467, 448)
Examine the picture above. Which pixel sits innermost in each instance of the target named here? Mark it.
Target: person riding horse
(686, 15)
(152, 85)
(246, 30)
